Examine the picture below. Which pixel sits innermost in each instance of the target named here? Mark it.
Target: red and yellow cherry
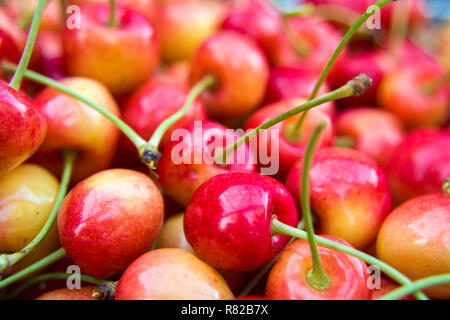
(288, 279)
(414, 239)
(403, 91)
(49, 44)
(74, 125)
(241, 72)
(172, 234)
(121, 57)
(178, 39)
(84, 293)
(109, 219)
(287, 83)
(386, 286)
(165, 274)
(176, 73)
(184, 164)
(373, 131)
(289, 148)
(227, 221)
(22, 128)
(420, 164)
(349, 192)
(153, 103)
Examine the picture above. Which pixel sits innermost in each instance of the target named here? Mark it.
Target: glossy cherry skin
(414, 240)
(50, 48)
(153, 103)
(110, 219)
(288, 150)
(241, 72)
(8, 48)
(349, 193)
(74, 125)
(402, 93)
(171, 274)
(84, 293)
(227, 220)
(184, 165)
(178, 39)
(22, 128)
(288, 277)
(375, 132)
(420, 164)
(386, 286)
(122, 58)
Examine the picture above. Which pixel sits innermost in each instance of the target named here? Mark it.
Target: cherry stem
(16, 81)
(197, 89)
(48, 260)
(318, 278)
(354, 87)
(446, 186)
(105, 290)
(344, 142)
(302, 47)
(8, 260)
(416, 285)
(126, 130)
(430, 87)
(51, 276)
(339, 14)
(112, 22)
(261, 272)
(399, 27)
(278, 227)
(345, 39)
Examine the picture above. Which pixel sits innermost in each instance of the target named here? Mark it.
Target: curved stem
(415, 286)
(16, 81)
(51, 276)
(281, 228)
(112, 22)
(48, 260)
(318, 278)
(446, 186)
(326, 70)
(261, 272)
(126, 130)
(8, 260)
(197, 89)
(355, 86)
(344, 142)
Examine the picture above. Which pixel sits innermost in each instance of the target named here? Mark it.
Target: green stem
(344, 142)
(203, 84)
(355, 86)
(278, 227)
(16, 81)
(112, 14)
(261, 272)
(55, 256)
(399, 27)
(126, 130)
(446, 186)
(318, 278)
(51, 276)
(416, 286)
(326, 70)
(8, 260)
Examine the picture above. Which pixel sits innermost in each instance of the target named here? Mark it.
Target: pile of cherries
(99, 101)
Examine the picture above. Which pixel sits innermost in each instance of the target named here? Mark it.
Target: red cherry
(348, 191)
(179, 179)
(22, 128)
(251, 297)
(84, 293)
(420, 164)
(386, 286)
(288, 277)
(110, 219)
(227, 221)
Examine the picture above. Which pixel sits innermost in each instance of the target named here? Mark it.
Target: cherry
(50, 48)
(110, 219)
(289, 149)
(181, 277)
(386, 286)
(414, 239)
(84, 293)
(154, 102)
(184, 164)
(122, 57)
(419, 164)
(227, 220)
(172, 234)
(74, 125)
(8, 47)
(240, 70)
(404, 92)
(251, 297)
(288, 277)
(349, 193)
(372, 131)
